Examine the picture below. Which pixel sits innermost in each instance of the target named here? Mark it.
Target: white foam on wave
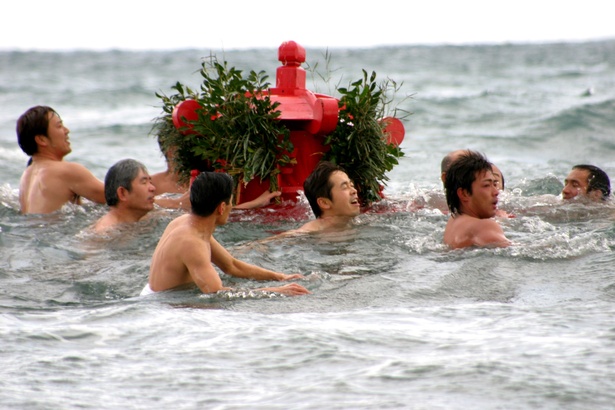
(125, 115)
(9, 196)
(13, 154)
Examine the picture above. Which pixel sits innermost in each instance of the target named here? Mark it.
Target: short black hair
(461, 174)
(33, 122)
(317, 185)
(208, 190)
(597, 180)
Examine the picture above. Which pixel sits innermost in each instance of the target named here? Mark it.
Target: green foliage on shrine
(238, 131)
(359, 144)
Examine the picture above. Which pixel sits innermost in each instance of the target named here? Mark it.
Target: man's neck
(43, 156)
(206, 225)
(122, 216)
(334, 222)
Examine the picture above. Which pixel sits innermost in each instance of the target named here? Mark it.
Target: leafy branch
(359, 143)
(236, 131)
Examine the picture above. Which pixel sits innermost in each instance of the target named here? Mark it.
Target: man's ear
(463, 194)
(324, 203)
(41, 139)
(221, 208)
(122, 193)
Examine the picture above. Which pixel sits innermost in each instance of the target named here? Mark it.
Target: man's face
(483, 203)
(497, 175)
(575, 183)
(57, 135)
(344, 199)
(141, 197)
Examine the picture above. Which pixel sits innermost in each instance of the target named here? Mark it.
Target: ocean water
(395, 320)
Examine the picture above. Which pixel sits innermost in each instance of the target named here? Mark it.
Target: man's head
(499, 177)
(470, 186)
(38, 121)
(329, 190)
(128, 181)
(209, 190)
(587, 180)
(447, 161)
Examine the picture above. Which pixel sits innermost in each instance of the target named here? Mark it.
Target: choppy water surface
(395, 320)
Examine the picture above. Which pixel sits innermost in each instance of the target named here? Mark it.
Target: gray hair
(121, 174)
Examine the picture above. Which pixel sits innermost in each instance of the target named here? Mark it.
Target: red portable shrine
(309, 117)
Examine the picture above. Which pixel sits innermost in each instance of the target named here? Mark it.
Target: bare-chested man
(49, 182)
(587, 181)
(332, 197)
(472, 198)
(129, 193)
(448, 160)
(187, 250)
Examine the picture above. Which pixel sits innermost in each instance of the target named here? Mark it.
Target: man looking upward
(49, 182)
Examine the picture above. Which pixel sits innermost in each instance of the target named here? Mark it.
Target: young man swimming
(332, 197)
(187, 250)
(472, 198)
(49, 182)
(587, 181)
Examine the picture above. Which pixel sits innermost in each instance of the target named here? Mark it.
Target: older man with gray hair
(129, 193)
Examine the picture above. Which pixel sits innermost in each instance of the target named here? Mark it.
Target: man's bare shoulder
(62, 171)
(468, 222)
(45, 186)
(463, 230)
(54, 165)
(308, 227)
(490, 233)
(179, 226)
(181, 233)
(71, 169)
(486, 223)
(104, 224)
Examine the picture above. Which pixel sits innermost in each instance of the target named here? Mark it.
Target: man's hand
(292, 289)
(263, 200)
(283, 276)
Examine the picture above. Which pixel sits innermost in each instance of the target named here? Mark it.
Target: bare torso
(42, 188)
(46, 185)
(168, 269)
(187, 253)
(463, 231)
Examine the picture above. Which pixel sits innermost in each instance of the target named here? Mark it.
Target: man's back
(46, 185)
(44, 188)
(180, 240)
(49, 182)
